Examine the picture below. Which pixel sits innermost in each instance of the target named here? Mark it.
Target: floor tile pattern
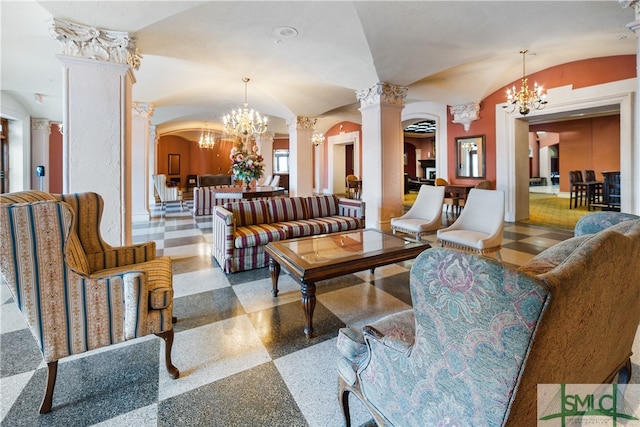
(242, 354)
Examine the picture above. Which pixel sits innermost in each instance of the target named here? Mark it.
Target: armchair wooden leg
(167, 336)
(343, 396)
(52, 372)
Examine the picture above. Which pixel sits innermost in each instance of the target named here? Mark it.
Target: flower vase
(247, 183)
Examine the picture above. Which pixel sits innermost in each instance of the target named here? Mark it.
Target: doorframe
(512, 133)
(336, 145)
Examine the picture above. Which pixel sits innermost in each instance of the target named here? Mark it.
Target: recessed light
(286, 32)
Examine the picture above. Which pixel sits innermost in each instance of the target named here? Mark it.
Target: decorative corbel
(465, 114)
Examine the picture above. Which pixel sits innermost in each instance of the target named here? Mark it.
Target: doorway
(337, 161)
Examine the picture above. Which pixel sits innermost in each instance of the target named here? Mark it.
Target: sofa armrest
(390, 341)
(352, 208)
(224, 228)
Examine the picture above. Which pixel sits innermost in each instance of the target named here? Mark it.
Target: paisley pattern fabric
(598, 221)
(459, 358)
(70, 306)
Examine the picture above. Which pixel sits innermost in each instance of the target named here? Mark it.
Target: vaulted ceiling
(307, 58)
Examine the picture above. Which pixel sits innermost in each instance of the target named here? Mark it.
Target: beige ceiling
(195, 53)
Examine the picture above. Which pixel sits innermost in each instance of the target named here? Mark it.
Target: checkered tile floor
(242, 354)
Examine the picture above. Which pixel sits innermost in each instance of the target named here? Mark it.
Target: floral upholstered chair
(457, 355)
(481, 336)
(75, 291)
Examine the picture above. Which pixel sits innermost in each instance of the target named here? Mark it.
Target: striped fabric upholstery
(336, 223)
(88, 208)
(242, 230)
(301, 228)
(202, 201)
(254, 235)
(250, 212)
(166, 194)
(288, 209)
(322, 206)
(69, 308)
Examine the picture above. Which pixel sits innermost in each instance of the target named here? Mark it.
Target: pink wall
(579, 74)
(592, 143)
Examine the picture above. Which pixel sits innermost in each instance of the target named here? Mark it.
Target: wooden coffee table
(315, 258)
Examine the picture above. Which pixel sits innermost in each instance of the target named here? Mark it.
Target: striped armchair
(76, 292)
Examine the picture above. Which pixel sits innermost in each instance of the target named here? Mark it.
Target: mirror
(174, 164)
(470, 157)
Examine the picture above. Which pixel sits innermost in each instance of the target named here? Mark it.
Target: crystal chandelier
(525, 99)
(317, 138)
(244, 123)
(207, 139)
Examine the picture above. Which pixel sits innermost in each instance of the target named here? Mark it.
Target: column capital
(141, 109)
(382, 93)
(96, 43)
(465, 114)
(42, 125)
(300, 122)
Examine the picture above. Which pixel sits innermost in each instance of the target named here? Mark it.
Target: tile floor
(243, 357)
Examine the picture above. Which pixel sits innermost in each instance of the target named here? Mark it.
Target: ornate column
(97, 82)
(382, 152)
(140, 148)
(300, 156)
(265, 147)
(40, 131)
(153, 155)
(630, 189)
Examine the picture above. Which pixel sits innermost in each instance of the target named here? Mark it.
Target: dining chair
(353, 186)
(449, 198)
(425, 216)
(275, 181)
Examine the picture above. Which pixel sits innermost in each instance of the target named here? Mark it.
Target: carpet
(545, 209)
(553, 211)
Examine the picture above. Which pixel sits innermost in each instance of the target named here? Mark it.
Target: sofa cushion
(300, 228)
(288, 209)
(255, 235)
(337, 223)
(249, 212)
(322, 206)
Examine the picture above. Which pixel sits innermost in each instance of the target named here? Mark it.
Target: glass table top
(333, 247)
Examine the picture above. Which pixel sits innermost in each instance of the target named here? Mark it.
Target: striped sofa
(76, 292)
(242, 229)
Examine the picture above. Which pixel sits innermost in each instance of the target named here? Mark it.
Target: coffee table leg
(274, 270)
(308, 291)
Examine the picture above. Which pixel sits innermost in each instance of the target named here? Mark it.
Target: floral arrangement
(246, 165)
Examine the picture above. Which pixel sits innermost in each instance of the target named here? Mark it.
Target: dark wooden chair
(594, 188)
(577, 189)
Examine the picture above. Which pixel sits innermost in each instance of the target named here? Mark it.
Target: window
(280, 161)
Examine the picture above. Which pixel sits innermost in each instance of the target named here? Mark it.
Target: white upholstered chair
(276, 181)
(480, 226)
(165, 193)
(425, 216)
